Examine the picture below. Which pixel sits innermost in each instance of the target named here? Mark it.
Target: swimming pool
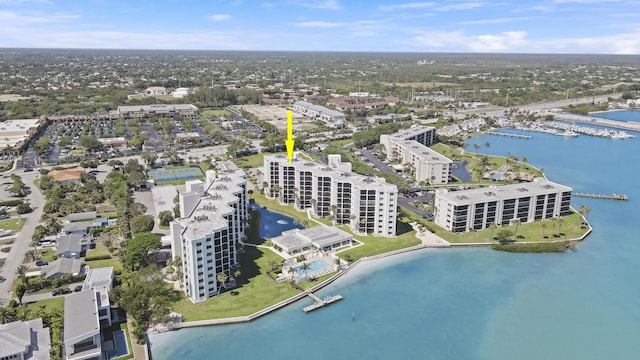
(316, 265)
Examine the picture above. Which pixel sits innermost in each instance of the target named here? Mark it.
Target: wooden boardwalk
(599, 196)
(320, 302)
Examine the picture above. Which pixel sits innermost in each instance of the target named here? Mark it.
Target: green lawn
(14, 225)
(569, 228)
(114, 262)
(48, 304)
(212, 113)
(255, 292)
(99, 250)
(253, 161)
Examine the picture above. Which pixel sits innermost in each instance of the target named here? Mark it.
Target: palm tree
(543, 226)
(7, 315)
(305, 267)
(222, 278)
(492, 226)
(584, 211)
(487, 144)
(21, 271)
(517, 223)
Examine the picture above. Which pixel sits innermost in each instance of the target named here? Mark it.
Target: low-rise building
(425, 164)
(81, 326)
(62, 267)
(477, 209)
(332, 118)
(322, 238)
(66, 176)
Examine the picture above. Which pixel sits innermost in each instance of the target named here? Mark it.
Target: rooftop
(80, 316)
(498, 193)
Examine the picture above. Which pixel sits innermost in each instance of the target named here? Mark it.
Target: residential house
(72, 245)
(66, 176)
(81, 326)
(25, 340)
(101, 280)
(62, 267)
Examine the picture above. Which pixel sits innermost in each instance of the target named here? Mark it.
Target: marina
(566, 129)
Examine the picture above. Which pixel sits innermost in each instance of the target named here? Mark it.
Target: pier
(622, 197)
(320, 302)
(517, 136)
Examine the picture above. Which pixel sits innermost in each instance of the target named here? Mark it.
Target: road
(545, 105)
(23, 238)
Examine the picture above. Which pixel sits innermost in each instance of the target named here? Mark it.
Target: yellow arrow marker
(290, 140)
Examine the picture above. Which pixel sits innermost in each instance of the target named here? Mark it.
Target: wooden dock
(622, 197)
(320, 302)
(517, 136)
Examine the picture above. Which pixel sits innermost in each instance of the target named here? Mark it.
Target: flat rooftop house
(81, 326)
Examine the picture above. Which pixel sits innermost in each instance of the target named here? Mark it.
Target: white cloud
(412, 5)
(496, 20)
(10, 18)
(219, 17)
(326, 4)
(517, 41)
(320, 24)
(461, 6)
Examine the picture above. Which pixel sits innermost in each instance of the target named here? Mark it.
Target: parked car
(77, 288)
(2, 279)
(66, 291)
(42, 263)
(58, 291)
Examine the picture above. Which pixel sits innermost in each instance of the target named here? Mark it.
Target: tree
(584, 211)
(141, 224)
(139, 250)
(517, 223)
(21, 289)
(165, 217)
(222, 278)
(21, 271)
(305, 267)
(7, 315)
(544, 227)
(23, 208)
(90, 143)
(39, 232)
(145, 296)
(137, 209)
(504, 236)
(492, 226)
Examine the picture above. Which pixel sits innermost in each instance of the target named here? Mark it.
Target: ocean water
(474, 303)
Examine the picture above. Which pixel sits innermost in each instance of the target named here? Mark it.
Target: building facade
(476, 209)
(333, 118)
(425, 164)
(367, 204)
(207, 235)
(410, 147)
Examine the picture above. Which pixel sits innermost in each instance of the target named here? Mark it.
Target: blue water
(460, 171)
(474, 303)
(623, 115)
(313, 266)
(272, 224)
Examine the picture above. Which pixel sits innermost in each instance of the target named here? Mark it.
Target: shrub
(11, 203)
(97, 257)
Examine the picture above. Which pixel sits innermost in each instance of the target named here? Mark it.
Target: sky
(526, 26)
